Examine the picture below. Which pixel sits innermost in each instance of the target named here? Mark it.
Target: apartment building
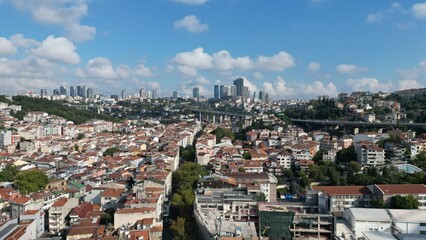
(369, 154)
(58, 211)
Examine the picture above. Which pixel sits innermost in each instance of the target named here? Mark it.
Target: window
(423, 232)
(422, 224)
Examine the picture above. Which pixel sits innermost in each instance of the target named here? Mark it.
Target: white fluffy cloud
(419, 10)
(102, 69)
(99, 67)
(192, 2)
(409, 84)
(154, 85)
(277, 62)
(6, 47)
(188, 63)
(143, 71)
(196, 58)
(251, 86)
(191, 24)
(317, 88)
(350, 69)
(28, 74)
(278, 89)
(369, 84)
(18, 40)
(64, 13)
(201, 82)
(223, 61)
(57, 50)
(413, 73)
(314, 66)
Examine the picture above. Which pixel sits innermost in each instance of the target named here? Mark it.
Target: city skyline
(289, 49)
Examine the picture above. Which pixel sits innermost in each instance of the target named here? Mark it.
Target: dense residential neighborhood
(252, 176)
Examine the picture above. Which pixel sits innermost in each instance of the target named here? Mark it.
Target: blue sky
(290, 49)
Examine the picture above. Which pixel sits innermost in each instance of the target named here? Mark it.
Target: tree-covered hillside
(57, 108)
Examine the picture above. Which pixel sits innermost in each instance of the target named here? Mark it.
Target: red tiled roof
(343, 190)
(21, 200)
(112, 193)
(30, 212)
(402, 188)
(60, 202)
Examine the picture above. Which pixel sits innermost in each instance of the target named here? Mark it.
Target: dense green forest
(57, 108)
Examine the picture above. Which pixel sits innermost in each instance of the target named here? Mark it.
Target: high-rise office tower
(226, 92)
(261, 95)
(62, 90)
(154, 94)
(239, 84)
(83, 92)
(174, 94)
(232, 92)
(123, 94)
(222, 91)
(43, 92)
(89, 93)
(216, 92)
(254, 95)
(56, 92)
(196, 92)
(266, 97)
(79, 91)
(141, 93)
(72, 91)
(245, 92)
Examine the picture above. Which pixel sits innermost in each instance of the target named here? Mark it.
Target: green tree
(110, 151)
(31, 181)
(378, 203)
(318, 156)
(107, 217)
(287, 173)
(260, 197)
(187, 154)
(404, 202)
(304, 182)
(346, 155)
(80, 136)
(9, 173)
(315, 173)
(246, 155)
(221, 133)
(360, 179)
(241, 170)
(178, 229)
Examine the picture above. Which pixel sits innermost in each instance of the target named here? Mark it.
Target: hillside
(57, 108)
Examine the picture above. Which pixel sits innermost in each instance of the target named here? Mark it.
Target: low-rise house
(21, 204)
(110, 198)
(129, 216)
